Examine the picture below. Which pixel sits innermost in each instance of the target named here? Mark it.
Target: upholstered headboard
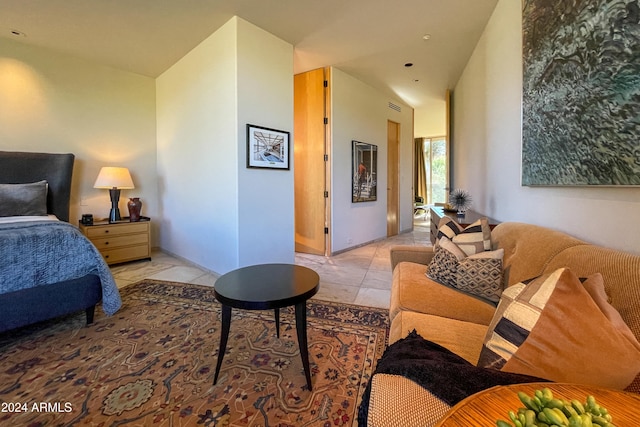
(21, 167)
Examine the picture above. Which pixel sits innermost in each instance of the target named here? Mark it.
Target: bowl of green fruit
(543, 409)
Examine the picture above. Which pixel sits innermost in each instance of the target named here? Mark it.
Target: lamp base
(114, 213)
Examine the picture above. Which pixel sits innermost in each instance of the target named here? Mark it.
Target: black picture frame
(267, 148)
(364, 172)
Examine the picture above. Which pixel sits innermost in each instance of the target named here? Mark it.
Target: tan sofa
(459, 322)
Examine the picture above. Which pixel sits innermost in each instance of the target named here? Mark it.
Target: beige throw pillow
(553, 328)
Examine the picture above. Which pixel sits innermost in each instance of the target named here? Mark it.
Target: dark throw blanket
(445, 374)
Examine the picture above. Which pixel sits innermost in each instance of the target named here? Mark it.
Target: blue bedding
(39, 253)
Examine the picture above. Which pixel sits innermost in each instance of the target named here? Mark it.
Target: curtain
(420, 184)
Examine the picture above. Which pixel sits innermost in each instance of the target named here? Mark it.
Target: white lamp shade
(112, 177)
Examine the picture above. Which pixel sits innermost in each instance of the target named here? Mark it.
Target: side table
(267, 287)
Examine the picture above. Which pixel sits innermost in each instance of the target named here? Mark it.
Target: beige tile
(121, 283)
(178, 274)
(139, 270)
(359, 276)
(383, 252)
(341, 275)
(381, 263)
(206, 279)
(373, 297)
(164, 258)
(349, 260)
(377, 279)
(337, 292)
(368, 250)
(312, 261)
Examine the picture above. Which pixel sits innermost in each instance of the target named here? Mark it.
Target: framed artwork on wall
(364, 172)
(267, 148)
(581, 93)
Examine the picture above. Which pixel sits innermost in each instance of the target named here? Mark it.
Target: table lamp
(114, 179)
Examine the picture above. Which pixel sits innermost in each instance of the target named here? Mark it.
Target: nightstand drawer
(129, 253)
(119, 241)
(116, 229)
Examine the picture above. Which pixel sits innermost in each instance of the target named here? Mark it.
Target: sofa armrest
(417, 254)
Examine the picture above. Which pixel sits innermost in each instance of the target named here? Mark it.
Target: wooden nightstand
(120, 242)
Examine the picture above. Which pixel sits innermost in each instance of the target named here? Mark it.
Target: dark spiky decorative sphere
(460, 199)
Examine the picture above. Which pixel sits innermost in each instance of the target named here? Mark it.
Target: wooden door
(393, 156)
(310, 165)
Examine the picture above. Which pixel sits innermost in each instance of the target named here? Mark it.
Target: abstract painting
(581, 94)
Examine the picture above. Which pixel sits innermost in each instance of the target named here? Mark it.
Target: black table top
(266, 286)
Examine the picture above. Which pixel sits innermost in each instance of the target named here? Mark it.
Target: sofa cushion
(528, 249)
(463, 338)
(398, 401)
(438, 371)
(553, 328)
(472, 239)
(412, 290)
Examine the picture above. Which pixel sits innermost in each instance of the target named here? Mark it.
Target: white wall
(487, 140)
(431, 119)
(265, 98)
(215, 212)
(360, 112)
(51, 102)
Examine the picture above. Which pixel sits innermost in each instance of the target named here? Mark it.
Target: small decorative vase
(135, 205)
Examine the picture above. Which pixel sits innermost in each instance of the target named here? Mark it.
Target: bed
(47, 267)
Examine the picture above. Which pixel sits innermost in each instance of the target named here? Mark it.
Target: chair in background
(418, 206)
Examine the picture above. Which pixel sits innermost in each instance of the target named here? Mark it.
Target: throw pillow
(472, 239)
(479, 274)
(23, 199)
(552, 328)
(444, 264)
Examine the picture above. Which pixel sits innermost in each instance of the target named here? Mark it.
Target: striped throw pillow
(473, 239)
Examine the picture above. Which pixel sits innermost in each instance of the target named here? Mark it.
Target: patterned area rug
(152, 363)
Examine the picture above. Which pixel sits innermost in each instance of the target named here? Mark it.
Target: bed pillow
(23, 199)
(551, 327)
(473, 239)
(479, 274)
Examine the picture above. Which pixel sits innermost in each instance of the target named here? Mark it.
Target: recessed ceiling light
(17, 33)
(426, 37)
(408, 64)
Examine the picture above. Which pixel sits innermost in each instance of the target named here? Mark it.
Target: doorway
(393, 179)
(432, 170)
(311, 153)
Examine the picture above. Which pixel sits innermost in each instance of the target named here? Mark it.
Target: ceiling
(371, 40)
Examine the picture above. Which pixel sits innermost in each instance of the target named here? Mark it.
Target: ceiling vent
(395, 107)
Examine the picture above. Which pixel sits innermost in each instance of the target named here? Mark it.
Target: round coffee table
(266, 287)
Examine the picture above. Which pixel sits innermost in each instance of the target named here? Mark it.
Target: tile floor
(359, 276)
